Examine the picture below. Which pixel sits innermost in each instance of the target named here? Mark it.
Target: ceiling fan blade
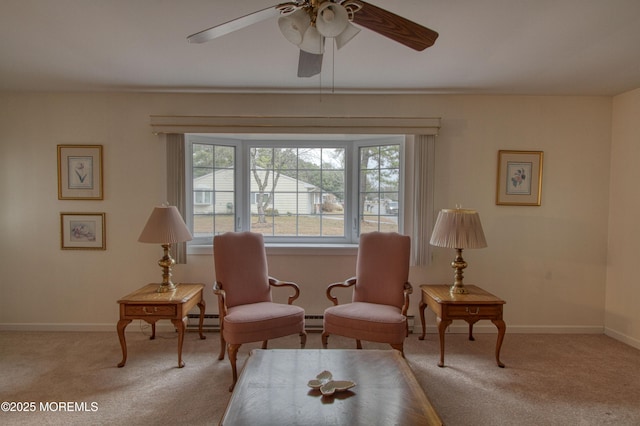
(234, 25)
(309, 64)
(394, 26)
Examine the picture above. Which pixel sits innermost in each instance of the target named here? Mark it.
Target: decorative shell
(336, 386)
(320, 380)
(327, 386)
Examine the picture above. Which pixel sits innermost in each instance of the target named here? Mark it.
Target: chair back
(382, 268)
(241, 267)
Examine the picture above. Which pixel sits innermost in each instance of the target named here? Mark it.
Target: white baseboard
(57, 327)
(417, 329)
(520, 329)
(622, 337)
(86, 328)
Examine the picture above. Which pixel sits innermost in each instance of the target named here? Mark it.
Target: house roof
(543, 47)
(205, 182)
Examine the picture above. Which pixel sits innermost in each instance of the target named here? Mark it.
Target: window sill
(292, 250)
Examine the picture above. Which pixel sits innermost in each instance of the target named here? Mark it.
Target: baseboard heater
(313, 323)
(211, 322)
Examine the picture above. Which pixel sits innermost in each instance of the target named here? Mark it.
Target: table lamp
(165, 227)
(458, 229)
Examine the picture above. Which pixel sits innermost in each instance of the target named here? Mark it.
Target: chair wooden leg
(325, 340)
(233, 354)
(223, 347)
(358, 344)
(399, 347)
(264, 344)
(303, 339)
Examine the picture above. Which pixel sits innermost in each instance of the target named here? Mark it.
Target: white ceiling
(543, 47)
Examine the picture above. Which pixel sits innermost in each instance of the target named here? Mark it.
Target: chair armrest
(347, 283)
(408, 289)
(222, 302)
(277, 283)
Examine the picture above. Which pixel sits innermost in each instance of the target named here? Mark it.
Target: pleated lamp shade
(458, 229)
(165, 226)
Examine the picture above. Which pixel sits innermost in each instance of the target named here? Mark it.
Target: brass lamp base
(166, 263)
(458, 264)
(457, 289)
(164, 288)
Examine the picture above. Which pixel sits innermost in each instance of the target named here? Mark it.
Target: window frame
(243, 143)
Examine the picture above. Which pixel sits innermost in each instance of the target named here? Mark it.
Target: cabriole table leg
(421, 307)
(122, 324)
(180, 325)
(442, 327)
(502, 328)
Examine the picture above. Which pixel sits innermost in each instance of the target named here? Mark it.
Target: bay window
(315, 189)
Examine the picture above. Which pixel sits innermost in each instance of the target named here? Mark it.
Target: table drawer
(473, 311)
(150, 310)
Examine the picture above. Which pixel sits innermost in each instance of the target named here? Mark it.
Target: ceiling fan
(307, 23)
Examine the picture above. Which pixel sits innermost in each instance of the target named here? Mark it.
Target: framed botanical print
(519, 178)
(83, 231)
(80, 172)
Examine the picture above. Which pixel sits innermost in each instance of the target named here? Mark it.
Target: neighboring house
(291, 196)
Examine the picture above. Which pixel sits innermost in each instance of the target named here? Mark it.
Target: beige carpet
(548, 379)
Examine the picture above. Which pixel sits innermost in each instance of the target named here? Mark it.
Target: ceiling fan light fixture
(307, 24)
(345, 36)
(294, 25)
(312, 41)
(332, 19)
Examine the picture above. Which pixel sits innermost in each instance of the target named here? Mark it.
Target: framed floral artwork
(519, 178)
(80, 172)
(83, 231)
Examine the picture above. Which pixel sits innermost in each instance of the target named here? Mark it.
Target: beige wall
(548, 262)
(622, 316)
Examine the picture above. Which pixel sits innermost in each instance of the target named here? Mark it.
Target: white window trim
(355, 189)
(297, 241)
(243, 197)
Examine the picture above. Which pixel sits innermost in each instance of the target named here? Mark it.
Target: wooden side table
(148, 305)
(477, 305)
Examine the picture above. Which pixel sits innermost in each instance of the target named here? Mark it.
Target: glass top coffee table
(273, 390)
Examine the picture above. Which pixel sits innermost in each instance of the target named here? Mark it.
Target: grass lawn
(304, 225)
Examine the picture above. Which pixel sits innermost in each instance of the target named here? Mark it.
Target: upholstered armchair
(380, 298)
(243, 287)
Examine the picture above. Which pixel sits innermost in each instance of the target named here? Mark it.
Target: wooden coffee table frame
(149, 305)
(477, 305)
(272, 389)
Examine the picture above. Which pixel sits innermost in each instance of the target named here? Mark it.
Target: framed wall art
(80, 172)
(519, 178)
(83, 231)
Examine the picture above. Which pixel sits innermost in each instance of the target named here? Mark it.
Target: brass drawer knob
(476, 312)
(149, 312)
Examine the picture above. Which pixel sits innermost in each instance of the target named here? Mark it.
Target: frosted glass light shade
(345, 36)
(312, 41)
(332, 19)
(293, 26)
